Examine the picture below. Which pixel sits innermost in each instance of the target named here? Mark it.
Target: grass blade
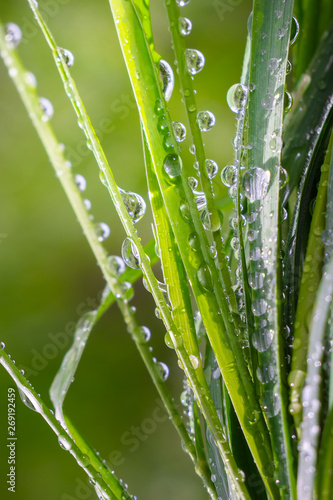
(265, 114)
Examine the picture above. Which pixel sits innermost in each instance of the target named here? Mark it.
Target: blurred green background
(48, 273)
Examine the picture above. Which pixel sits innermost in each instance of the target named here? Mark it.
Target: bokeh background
(48, 276)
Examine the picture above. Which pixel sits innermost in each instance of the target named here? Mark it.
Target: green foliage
(248, 279)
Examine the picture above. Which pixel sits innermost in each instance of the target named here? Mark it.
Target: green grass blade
(270, 43)
(106, 483)
(312, 391)
(324, 479)
(308, 123)
(311, 277)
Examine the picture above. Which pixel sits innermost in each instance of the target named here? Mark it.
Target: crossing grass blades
(247, 295)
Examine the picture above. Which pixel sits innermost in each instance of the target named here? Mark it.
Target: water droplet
(168, 142)
(182, 3)
(289, 67)
(259, 307)
(262, 339)
(67, 56)
(64, 443)
(144, 334)
(130, 254)
(81, 182)
(193, 183)
(265, 373)
(295, 32)
(159, 106)
(185, 26)
(102, 231)
(269, 101)
(256, 280)
(273, 64)
(28, 400)
(255, 254)
(210, 222)
(205, 120)
(167, 79)
(162, 370)
(162, 124)
(185, 210)
(86, 321)
(172, 165)
(236, 97)
(47, 109)
(83, 461)
(87, 204)
(30, 79)
(13, 35)
(193, 241)
(229, 175)
(195, 61)
(179, 131)
(255, 183)
(194, 361)
(204, 277)
(288, 101)
(135, 205)
(274, 141)
(283, 177)
(212, 168)
(116, 265)
(2, 345)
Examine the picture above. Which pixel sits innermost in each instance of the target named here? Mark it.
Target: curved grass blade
(106, 483)
(311, 277)
(261, 187)
(308, 123)
(148, 95)
(324, 479)
(312, 391)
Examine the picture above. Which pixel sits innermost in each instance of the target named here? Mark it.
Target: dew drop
(273, 64)
(256, 280)
(130, 254)
(144, 334)
(269, 101)
(193, 183)
(236, 97)
(102, 231)
(81, 182)
(87, 204)
(172, 165)
(135, 205)
(86, 321)
(2, 345)
(194, 361)
(212, 168)
(193, 242)
(67, 56)
(295, 32)
(179, 130)
(182, 3)
(47, 109)
(28, 401)
(265, 373)
(255, 183)
(288, 101)
(204, 277)
(205, 120)
(262, 339)
(185, 26)
(64, 443)
(167, 79)
(116, 265)
(13, 35)
(195, 61)
(259, 307)
(210, 222)
(162, 370)
(229, 175)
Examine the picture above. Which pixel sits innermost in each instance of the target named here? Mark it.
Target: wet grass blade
(271, 25)
(312, 392)
(324, 480)
(311, 277)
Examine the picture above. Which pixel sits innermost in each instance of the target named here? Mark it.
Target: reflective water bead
(162, 124)
(209, 222)
(273, 64)
(269, 101)
(283, 177)
(194, 361)
(274, 141)
(256, 280)
(116, 265)
(13, 35)
(167, 79)
(86, 321)
(296, 32)
(212, 168)
(182, 3)
(236, 97)
(67, 56)
(47, 109)
(144, 334)
(205, 120)
(135, 205)
(204, 277)
(130, 254)
(255, 183)
(185, 26)
(193, 183)
(255, 254)
(192, 149)
(259, 307)
(87, 204)
(159, 106)
(81, 182)
(172, 165)
(30, 79)
(288, 99)
(262, 339)
(168, 142)
(265, 373)
(193, 241)
(179, 131)
(102, 231)
(229, 175)
(28, 400)
(2, 345)
(195, 61)
(289, 67)
(162, 370)
(64, 443)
